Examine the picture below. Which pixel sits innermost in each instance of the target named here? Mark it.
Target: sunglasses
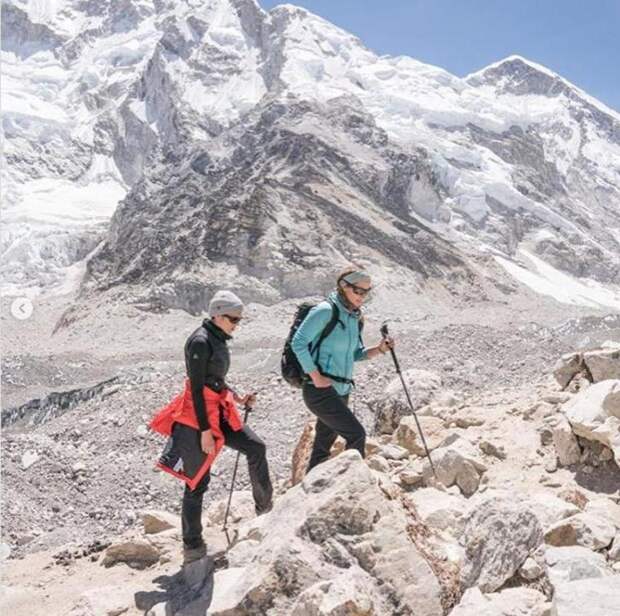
(361, 291)
(233, 320)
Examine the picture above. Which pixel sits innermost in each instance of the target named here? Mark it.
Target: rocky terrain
(376, 537)
(78, 466)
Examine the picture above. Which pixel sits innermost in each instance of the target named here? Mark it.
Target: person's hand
(207, 442)
(248, 400)
(320, 381)
(386, 344)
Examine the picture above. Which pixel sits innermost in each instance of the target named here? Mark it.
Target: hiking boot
(194, 552)
(266, 509)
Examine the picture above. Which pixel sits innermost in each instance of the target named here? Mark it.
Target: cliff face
(257, 149)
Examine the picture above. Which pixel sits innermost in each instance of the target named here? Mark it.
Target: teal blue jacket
(339, 350)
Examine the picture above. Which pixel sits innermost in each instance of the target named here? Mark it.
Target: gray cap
(357, 276)
(225, 302)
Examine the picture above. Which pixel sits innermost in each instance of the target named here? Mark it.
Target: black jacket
(207, 360)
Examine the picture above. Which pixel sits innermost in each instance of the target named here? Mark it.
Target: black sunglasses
(361, 291)
(233, 320)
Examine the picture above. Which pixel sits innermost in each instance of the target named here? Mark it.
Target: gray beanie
(225, 302)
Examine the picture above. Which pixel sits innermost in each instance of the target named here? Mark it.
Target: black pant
(334, 418)
(254, 449)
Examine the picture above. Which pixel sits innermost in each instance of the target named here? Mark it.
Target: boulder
(439, 510)
(456, 462)
(567, 367)
(499, 534)
(393, 405)
(604, 508)
(159, 521)
(349, 594)
(104, 601)
(135, 553)
(565, 442)
(548, 508)
(603, 364)
(584, 529)
(588, 597)
(565, 564)
(407, 434)
(509, 602)
(241, 508)
(339, 517)
(594, 414)
(614, 550)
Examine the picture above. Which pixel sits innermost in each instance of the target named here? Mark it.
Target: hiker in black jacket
(207, 360)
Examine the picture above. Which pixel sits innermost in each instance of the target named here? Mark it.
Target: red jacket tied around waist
(181, 410)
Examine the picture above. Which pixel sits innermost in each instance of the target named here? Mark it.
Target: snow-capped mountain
(270, 146)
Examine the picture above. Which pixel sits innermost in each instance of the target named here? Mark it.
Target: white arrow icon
(22, 308)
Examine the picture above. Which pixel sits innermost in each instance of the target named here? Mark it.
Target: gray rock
(498, 537)
(392, 406)
(509, 602)
(565, 442)
(135, 553)
(584, 529)
(569, 563)
(594, 414)
(591, 597)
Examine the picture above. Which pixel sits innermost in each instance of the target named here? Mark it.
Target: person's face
(227, 322)
(357, 293)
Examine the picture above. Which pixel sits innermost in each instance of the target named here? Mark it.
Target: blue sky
(578, 39)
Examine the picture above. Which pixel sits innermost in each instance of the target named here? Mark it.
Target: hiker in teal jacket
(329, 377)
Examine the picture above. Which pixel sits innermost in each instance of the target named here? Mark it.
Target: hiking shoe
(266, 509)
(194, 552)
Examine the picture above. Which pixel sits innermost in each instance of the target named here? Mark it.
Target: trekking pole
(384, 333)
(232, 483)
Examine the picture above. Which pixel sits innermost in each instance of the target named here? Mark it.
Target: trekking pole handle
(385, 333)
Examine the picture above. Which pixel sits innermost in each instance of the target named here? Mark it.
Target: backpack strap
(328, 329)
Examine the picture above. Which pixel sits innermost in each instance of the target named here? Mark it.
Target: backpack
(290, 368)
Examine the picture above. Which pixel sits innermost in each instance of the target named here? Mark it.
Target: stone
(575, 497)
(28, 459)
(440, 510)
(159, 521)
(508, 602)
(412, 474)
(135, 553)
(568, 563)
(241, 508)
(603, 364)
(407, 434)
(549, 508)
(594, 414)
(456, 462)
(349, 594)
(499, 534)
(393, 405)
(103, 601)
(584, 529)
(531, 570)
(490, 449)
(588, 597)
(378, 463)
(614, 550)
(565, 442)
(604, 508)
(567, 367)
(393, 452)
(338, 517)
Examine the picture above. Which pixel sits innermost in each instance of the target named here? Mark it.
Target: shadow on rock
(186, 593)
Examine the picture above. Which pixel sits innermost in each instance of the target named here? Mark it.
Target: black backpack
(290, 367)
